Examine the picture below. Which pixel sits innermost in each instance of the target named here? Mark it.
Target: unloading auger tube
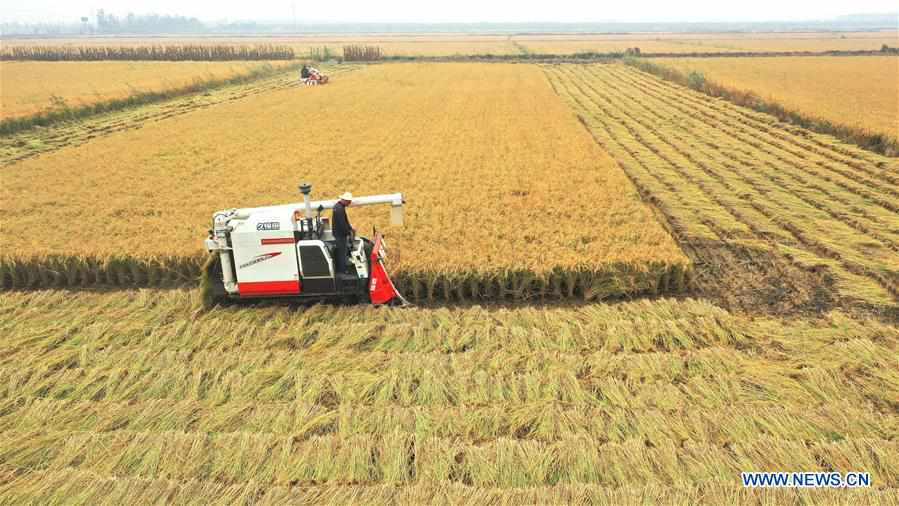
(289, 250)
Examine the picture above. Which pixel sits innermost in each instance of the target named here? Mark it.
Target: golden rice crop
(130, 397)
(860, 92)
(508, 196)
(31, 87)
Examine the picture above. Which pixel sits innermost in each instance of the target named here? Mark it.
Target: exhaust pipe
(306, 189)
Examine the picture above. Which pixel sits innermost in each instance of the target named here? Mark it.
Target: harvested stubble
(508, 197)
(768, 210)
(131, 396)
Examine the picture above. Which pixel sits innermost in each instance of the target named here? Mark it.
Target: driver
(343, 231)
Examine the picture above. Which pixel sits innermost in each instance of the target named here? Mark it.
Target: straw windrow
(120, 396)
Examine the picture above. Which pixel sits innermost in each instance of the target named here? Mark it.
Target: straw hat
(346, 196)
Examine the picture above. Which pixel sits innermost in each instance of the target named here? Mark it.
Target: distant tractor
(311, 76)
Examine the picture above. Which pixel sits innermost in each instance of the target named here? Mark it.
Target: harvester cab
(289, 251)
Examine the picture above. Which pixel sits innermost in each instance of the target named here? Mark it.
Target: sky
(449, 11)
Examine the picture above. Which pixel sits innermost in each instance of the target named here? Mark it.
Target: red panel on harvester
(380, 287)
(291, 287)
(278, 240)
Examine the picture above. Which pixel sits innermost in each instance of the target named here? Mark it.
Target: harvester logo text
(260, 258)
(268, 225)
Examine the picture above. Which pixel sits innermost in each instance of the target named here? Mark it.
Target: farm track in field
(275, 403)
(775, 217)
(34, 142)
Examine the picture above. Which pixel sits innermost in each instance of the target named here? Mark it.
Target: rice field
(862, 92)
(862, 41)
(433, 46)
(391, 44)
(438, 45)
(539, 191)
(767, 210)
(34, 87)
(137, 397)
(565, 45)
(543, 212)
(33, 142)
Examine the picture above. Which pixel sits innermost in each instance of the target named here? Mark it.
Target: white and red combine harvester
(288, 251)
(314, 78)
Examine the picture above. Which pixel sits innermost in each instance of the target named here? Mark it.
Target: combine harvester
(311, 76)
(287, 251)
